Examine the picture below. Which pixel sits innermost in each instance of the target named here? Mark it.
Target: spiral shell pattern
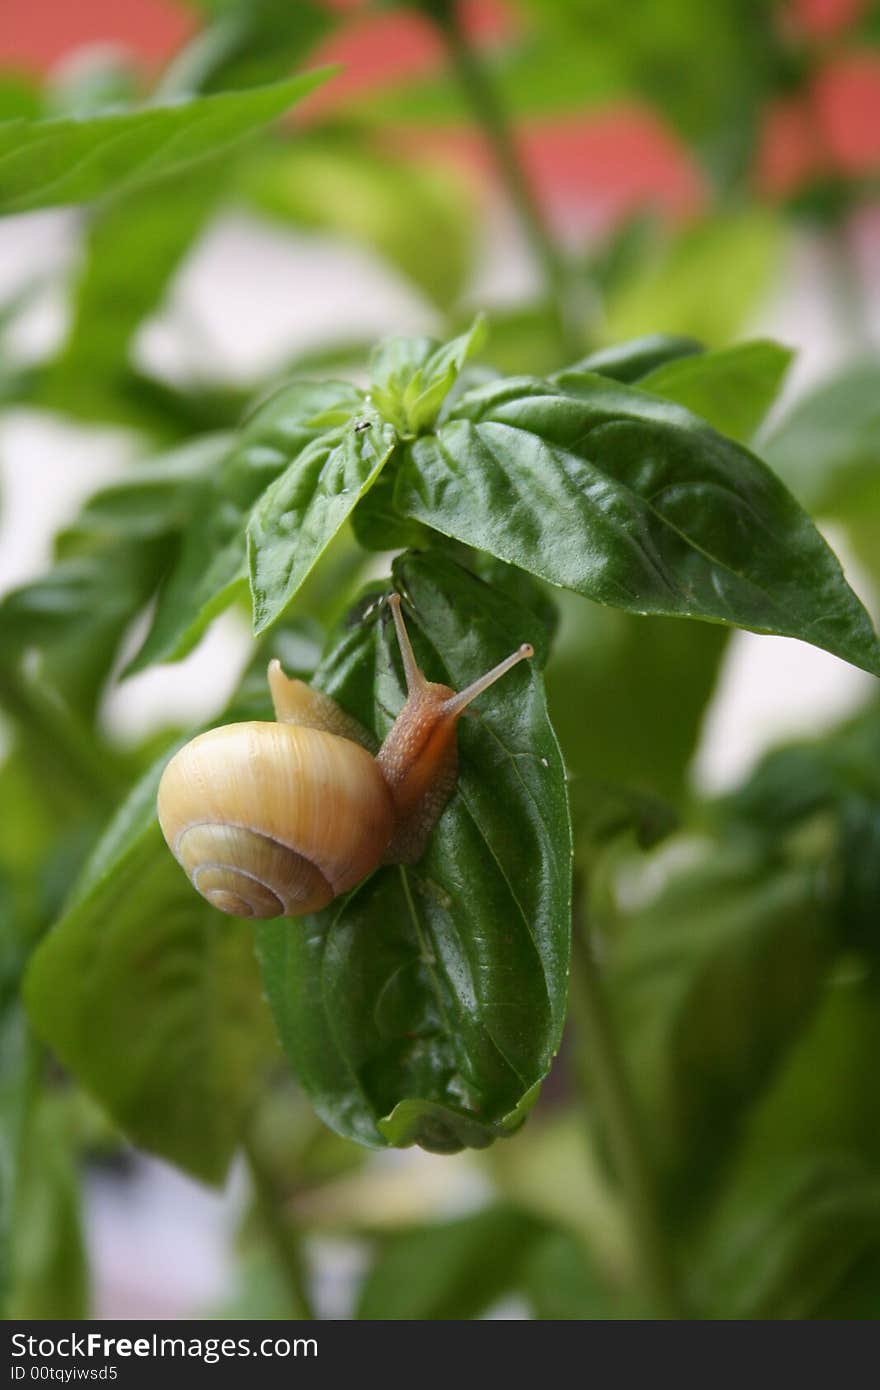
(274, 820)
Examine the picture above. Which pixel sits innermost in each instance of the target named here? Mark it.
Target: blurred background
(703, 169)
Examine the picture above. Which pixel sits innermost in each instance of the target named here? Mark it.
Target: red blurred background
(624, 155)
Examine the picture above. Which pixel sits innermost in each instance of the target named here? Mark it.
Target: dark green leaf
(732, 388)
(77, 613)
(793, 782)
(108, 564)
(46, 163)
(48, 1275)
(626, 697)
(826, 448)
(712, 983)
(210, 571)
(454, 1270)
(248, 42)
(298, 516)
(151, 999)
(824, 1102)
(629, 362)
(801, 1244)
(426, 1007)
(562, 1283)
(633, 502)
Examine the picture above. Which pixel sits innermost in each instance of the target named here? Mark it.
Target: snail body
(277, 819)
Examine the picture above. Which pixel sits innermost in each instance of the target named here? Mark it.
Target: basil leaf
(411, 377)
(298, 516)
(633, 502)
(108, 564)
(826, 447)
(426, 1006)
(629, 362)
(456, 1269)
(47, 163)
(150, 997)
(210, 570)
(732, 389)
(701, 985)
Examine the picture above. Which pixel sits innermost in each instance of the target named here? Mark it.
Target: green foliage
(166, 1026)
(680, 521)
(47, 1272)
(704, 282)
(337, 182)
(825, 448)
(108, 563)
(92, 377)
(709, 1002)
(732, 388)
(247, 43)
(454, 1270)
(79, 160)
(299, 515)
(210, 570)
(579, 507)
(438, 1029)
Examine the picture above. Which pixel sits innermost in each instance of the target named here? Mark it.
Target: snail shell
(274, 820)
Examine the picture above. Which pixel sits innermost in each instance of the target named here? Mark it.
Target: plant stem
(280, 1228)
(611, 1093)
(492, 119)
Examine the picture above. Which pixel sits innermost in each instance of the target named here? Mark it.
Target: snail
(277, 819)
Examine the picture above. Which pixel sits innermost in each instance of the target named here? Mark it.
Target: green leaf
(454, 1270)
(712, 984)
(646, 683)
(77, 613)
(108, 563)
(800, 1246)
(630, 362)
(826, 447)
(151, 999)
(411, 377)
(248, 42)
(339, 183)
(49, 1274)
(704, 283)
(732, 388)
(635, 503)
(562, 1283)
(47, 163)
(133, 245)
(153, 498)
(796, 1231)
(298, 516)
(824, 1102)
(438, 1028)
(210, 570)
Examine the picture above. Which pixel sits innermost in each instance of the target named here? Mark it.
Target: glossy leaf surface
(427, 1005)
(633, 502)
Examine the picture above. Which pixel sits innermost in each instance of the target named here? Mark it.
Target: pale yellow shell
(274, 820)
